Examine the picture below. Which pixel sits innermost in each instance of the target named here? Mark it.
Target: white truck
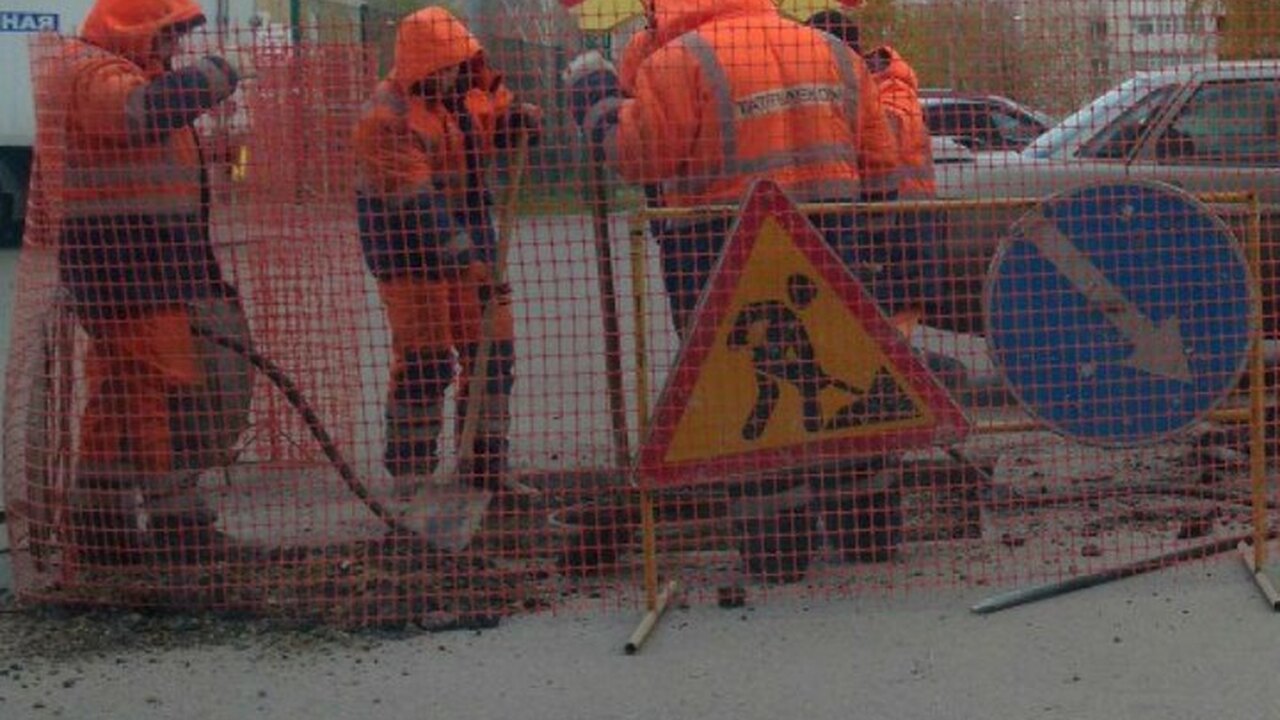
(19, 22)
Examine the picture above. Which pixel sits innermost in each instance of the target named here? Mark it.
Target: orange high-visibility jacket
(900, 96)
(404, 145)
(123, 156)
(130, 193)
(424, 207)
(736, 92)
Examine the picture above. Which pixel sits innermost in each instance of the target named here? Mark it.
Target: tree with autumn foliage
(1248, 29)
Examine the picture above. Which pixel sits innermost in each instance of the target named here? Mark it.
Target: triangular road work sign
(789, 363)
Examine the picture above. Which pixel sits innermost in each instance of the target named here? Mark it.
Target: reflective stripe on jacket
(124, 157)
(747, 94)
(423, 203)
(130, 193)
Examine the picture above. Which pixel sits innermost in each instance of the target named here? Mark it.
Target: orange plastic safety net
(411, 315)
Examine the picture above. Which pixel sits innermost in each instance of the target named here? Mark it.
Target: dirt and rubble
(1023, 506)
(1037, 507)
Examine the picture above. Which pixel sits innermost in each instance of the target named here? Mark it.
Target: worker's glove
(594, 93)
(501, 292)
(218, 73)
(487, 287)
(585, 65)
(523, 118)
(241, 63)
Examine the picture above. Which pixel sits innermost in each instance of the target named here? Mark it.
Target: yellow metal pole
(667, 213)
(1255, 558)
(650, 620)
(656, 602)
(1230, 415)
(649, 547)
(1257, 391)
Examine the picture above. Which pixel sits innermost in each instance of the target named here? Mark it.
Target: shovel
(447, 509)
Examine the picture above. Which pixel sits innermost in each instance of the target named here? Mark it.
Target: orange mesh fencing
(300, 336)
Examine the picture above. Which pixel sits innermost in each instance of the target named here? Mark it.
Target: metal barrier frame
(1253, 551)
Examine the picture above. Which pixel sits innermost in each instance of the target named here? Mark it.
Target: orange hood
(428, 41)
(129, 27)
(673, 18)
(896, 69)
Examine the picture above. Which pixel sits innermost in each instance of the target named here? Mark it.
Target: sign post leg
(1255, 558)
(655, 601)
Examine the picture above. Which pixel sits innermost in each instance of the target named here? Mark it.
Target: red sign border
(766, 200)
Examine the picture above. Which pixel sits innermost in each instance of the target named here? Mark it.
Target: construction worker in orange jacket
(423, 143)
(912, 251)
(897, 252)
(900, 97)
(731, 91)
(899, 257)
(135, 257)
(718, 94)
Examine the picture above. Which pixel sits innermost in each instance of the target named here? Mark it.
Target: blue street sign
(1119, 313)
(28, 22)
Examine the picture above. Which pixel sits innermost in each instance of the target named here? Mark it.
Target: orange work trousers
(433, 324)
(133, 366)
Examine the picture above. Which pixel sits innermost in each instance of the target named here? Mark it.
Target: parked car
(982, 122)
(1203, 127)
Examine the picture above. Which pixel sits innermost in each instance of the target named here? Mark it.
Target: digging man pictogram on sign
(782, 351)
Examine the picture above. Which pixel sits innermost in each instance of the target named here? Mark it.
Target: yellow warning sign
(788, 353)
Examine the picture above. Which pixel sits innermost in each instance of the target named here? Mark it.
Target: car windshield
(1094, 116)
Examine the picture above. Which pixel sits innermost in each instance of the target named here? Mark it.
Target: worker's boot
(861, 507)
(864, 525)
(103, 523)
(410, 462)
(106, 537)
(415, 417)
(487, 470)
(194, 538)
(487, 467)
(777, 531)
(183, 528)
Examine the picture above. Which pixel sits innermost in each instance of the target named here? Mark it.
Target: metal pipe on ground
(1035, 593)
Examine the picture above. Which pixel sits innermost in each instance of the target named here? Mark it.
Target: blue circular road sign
(1119, 313)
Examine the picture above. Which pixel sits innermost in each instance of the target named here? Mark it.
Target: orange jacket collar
(677, 17)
